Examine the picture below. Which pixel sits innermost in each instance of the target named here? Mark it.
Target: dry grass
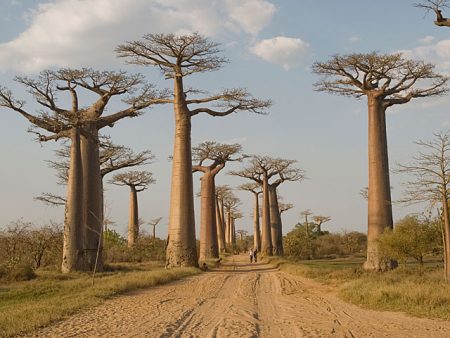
(24, 306)
(404, 289)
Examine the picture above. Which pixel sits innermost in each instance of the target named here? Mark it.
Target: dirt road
(240, 300)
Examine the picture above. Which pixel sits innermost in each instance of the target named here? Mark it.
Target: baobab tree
(59, 122)
(217, 155)
(286, 172)
(178, 56)
(306, 213)
(154, 222)
(242, 234)
(319, 220)
(256, 190)
(261, 169)
(386, 80)
(137, 181)
(283, 207)
(104, 85)
(436, 6)
(234, 215)
(221, 192)
(230, 203)
(431, 183)
(113, 157)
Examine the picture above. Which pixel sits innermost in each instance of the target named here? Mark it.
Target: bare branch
(51, 199)
(174, 54)
(389, 77)
(138, 180)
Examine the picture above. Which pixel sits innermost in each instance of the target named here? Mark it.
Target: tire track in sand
(239, 299)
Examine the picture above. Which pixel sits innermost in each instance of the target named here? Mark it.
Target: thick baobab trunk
(274, 226)
(181, 247)
(93, 197)
(233, 232)
(256, 230)
(220, 228)
(266, 240)
(133, 220)
(275, 222)
(208, 230)
(228, 228)
(379, 201)
(446, 238)
(74, 223)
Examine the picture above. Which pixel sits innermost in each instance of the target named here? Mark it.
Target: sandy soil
(240, 300)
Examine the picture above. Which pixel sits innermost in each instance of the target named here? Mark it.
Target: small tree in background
(137, 181)
(431, 184)
(412, 237)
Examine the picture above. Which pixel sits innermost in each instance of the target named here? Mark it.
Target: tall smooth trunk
(266, 240)
(220, 228)
(208, 230)
(275, 222)
(233, 232)
(181, 247)
(446, 238)
(256, 230)
(273, 219)
(93, 197)
(74, 223)
(133, 220)
(379, 201)
(229, 228)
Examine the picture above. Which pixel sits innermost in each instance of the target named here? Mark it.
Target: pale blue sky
(271, 46)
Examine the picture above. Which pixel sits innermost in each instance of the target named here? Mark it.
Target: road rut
(240, 299)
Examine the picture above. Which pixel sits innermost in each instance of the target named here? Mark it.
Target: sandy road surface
(240, 300)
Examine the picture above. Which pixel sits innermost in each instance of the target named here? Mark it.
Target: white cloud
(427, 39)
(75, 33)
(250, 15)
(354, 39)
(281, 50)
(437, 53)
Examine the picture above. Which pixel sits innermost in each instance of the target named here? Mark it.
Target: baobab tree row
(268, 173)
(80, 123)
(112, 158)
(177, 57)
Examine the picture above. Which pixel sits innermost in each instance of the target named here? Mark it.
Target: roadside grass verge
(404, 289)
(25, 306)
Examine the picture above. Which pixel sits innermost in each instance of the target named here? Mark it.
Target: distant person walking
(251, 255)
(255, 255)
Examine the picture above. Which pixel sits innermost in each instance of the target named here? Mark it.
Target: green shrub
(412, 237)
(21, 272)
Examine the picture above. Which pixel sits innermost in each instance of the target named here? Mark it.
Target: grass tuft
(25, 306)
(421, 295)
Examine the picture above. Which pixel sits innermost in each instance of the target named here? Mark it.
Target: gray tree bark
(208, 229)
(266, 238)
(92, 196)
(133, 220)
(256, 228)
(379, 194)
(220, 227)
(74, 222)
(275, 221)
(181, 246)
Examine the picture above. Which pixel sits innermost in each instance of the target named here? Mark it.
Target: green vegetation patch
(25, 306)
(405, 289)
